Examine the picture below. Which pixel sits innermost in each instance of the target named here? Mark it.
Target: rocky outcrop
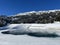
(4, 20)
(37, 18)
(31, 17)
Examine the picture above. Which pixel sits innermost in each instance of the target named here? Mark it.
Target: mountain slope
(43, 17)
(37, 17)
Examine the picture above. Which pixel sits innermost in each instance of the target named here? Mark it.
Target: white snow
(34, 28)
(37, 12)
(8, 39)
(27, 40)
(26, 13)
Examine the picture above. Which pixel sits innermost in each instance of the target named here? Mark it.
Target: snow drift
(39, 30)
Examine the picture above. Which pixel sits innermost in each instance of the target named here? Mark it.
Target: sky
(13, 7)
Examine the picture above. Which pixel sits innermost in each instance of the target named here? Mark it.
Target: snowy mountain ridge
(37, 12)
(48, 16)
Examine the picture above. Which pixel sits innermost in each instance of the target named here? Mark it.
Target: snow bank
(30, 40)
(27, 40)
(34, 29)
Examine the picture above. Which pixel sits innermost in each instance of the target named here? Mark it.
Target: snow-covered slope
(27, 40)
(37, 12)
(7, 39)
(34, 29)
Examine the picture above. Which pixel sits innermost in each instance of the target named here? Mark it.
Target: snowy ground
(27, 40)
(8, 39)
